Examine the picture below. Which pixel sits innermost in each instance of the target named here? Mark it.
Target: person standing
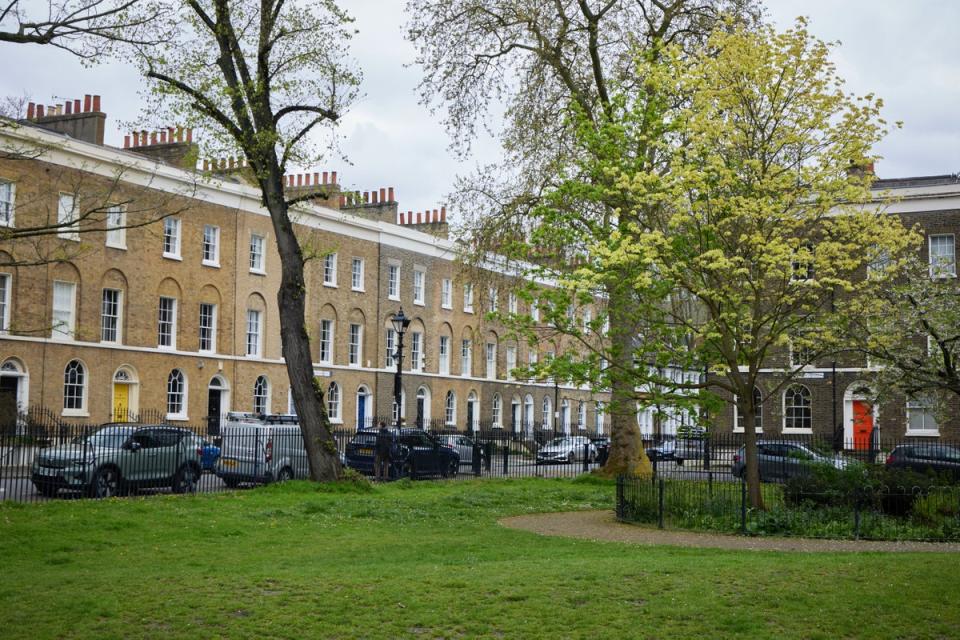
(382, 453)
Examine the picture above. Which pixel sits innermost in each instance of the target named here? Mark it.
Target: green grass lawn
(428, 560)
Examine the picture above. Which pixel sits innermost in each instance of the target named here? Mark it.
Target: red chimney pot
(39, 110)
(31, 111)
(86, 102)
(126, 142)
(96, 103)
(390, 191)
(333, 177)
(401, 218)
(68, 107)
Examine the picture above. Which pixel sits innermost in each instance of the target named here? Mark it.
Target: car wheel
(285, 475)
(571, 458)
(185, 480)
(679, 462)
(232, 483)
(48, 490)
(106, 483)
(592, 458)
(452, 469)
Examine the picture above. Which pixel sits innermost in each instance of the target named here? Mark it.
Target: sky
(908, 53)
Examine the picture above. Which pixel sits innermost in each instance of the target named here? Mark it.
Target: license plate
(48, 471)
(228, 463)
(365, 452)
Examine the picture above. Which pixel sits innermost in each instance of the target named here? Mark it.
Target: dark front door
(469, 414)
(362, 411)
(213, 412)
(9, 388)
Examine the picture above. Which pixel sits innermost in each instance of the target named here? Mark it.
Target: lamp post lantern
(400, 323)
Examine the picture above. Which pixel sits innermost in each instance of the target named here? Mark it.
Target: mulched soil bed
(603, 526)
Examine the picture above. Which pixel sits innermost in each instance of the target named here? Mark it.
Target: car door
(140, 463)
(170, 453)
(769, 460)
(422, 453)
(797, 461)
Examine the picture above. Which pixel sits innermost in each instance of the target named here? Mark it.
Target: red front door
(862, 424)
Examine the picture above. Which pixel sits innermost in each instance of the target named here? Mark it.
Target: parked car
(209, 453)
(119, 458)
(420, 455)
(260, 449)
(780, 461)
(678, 449)
(567, 449)
(939, 458)
(463, 446)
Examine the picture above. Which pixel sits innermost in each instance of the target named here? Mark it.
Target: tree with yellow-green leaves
(772, 233)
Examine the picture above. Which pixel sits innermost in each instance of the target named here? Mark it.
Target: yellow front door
(121, 402)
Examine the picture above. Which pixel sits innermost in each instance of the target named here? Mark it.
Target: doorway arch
(860, 415)
(14, 390)
(125, 394)
(364, 408)
(218, 403)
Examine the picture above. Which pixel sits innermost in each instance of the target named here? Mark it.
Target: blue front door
(362, 411)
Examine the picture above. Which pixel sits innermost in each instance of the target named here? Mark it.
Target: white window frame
(118, 318)
(172, 229)
(535, 310)
(56, 330)
(419, 286)
(581, 415)
(213, 261)
(356, 274)
(326, 341)
(926, 408)
(254, 333)
(335, 403)
(491, 354)
(184, 396)
(64, 216)
(942, 268)
(116, 231)
(446, 293)
(512, 304)
(393, 281)
(84, 385)
(493, 299)
(212, 328)
(330, 270)
(416, 351)
(391, 348)
(546, 413)
(355, 345)
(6, 298)
(496, 411)
(737, 427)
(783, 400)
(466, 358)
(450, 409)
(468, 298)
(265, 397)
(511, 360)
(258, 255)
(444, 356)
(8, 206)
(172, 324)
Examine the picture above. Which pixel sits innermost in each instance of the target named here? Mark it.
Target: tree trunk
(627, 455)
(318, 440)
(749, 411)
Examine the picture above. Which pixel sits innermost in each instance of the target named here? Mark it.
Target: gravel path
(603, 526)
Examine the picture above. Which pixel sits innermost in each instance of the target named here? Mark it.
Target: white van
(261, 449)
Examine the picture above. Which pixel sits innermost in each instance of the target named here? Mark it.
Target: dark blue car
(420, 455)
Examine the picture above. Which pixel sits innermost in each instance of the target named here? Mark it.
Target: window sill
(926, 433)
(207, 263)
(394, 298)
(336, 420)
(330, 285)
(360, 290)
(173, 256)
(466, 310)
(760, 431)
(119, 247)
(177, 417)
(808, 432)
(161, 347)
(446, 307)
(258, 272)
(75, 413)
(419, 303)
(205, 352)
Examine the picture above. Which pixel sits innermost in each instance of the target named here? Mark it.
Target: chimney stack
(87, 124)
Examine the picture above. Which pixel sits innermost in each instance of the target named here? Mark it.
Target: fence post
(655, 461)
(506, 457)
(476, 459)
(620, 505)
(856, 519)
(660, 504)
(710, 483)
(586, 457)
(743, 506)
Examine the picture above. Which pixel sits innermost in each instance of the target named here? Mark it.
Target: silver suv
(119, 458)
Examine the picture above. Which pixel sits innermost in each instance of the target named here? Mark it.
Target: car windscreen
(364, 439)
(559, 442)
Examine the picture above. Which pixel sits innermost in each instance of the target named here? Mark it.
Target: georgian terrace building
(179, 318)
(832, 398)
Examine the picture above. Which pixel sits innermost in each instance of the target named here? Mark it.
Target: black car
(939, 458)
(602, 444)
(420, 455)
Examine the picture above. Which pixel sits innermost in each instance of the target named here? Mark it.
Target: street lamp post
(400, 323)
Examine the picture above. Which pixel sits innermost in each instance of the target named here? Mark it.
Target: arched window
(401, 411)
(528, 412)
(797, 408)
(74, 386)
(598, 418)
(473, 415)
(581, 415)
(565, 415)
(423, 407)
(496, 410)
(333, 402)
(176, 394)
(450, 410)
(758, 413)
(261, 395)
(546, 413)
